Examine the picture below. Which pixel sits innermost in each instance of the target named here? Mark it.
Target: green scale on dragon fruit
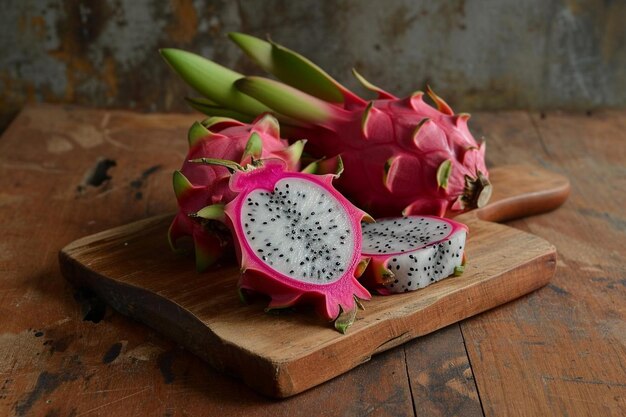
(298, 240)
(409, 253)
(401, 155)
(199, 186)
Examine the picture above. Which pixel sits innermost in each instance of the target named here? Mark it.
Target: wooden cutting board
(132, 268)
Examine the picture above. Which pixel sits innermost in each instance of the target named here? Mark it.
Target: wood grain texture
(562, 351)
(52, 362)
(131, 268)
(65, 354)
(441, 378)
(523, 191)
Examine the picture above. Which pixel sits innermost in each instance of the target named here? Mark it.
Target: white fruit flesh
(402, 234)
(422, 267)
(417, 250)
(299, 230)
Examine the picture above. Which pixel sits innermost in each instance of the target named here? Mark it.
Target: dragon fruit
(206, 187)
(297, 238)
(408, 253)
(401, 156)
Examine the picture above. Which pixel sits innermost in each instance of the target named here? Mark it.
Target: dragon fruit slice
(401, 156)
(408, 253)
(297, 238)
(197, 186)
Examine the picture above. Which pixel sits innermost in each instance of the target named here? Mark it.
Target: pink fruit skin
(285, 291)
(210, 183)
(390, 137)
(401, 156)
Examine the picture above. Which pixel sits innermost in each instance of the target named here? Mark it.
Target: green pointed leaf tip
(458, 270)
(211, 80)
(442, 106)
(338, 165)
(268, 124)
(287, 100)
(486, 188)
(419, 126)
(196, 132)
(232, 166)
(295, 149)
(387, 168)
(170, 239)
(362, 265)
(214, 120)
(181, 183)
(290, 67)
(325, 166)
(443, 173)
(254, 146)
(365, 118)
(212, 212)
(367, 218)
(369, 86)
(345, 319)
(364, 82)
(311, 168)
(386, 273)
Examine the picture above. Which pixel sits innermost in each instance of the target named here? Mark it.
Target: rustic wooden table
(558, 351)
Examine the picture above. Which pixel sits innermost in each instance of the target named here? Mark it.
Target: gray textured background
(482, 54)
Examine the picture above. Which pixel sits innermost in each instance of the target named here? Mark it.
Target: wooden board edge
(530, 202)
(281, 380)
(533, 276)
(136, 227)
(166, 318)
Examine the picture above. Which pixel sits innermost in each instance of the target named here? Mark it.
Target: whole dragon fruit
(401, 156)
(297, 238)
(206, 187)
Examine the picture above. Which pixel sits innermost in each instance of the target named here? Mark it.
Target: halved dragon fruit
(408, 253)
(298, 239)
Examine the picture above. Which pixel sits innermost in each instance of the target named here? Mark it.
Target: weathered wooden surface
(561, 349)
(131, 268)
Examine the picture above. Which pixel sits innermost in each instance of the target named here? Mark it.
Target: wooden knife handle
(522, 191)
